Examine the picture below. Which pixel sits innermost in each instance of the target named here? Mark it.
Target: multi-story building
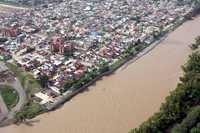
(58, 45)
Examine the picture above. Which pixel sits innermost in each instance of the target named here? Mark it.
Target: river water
(125, 99)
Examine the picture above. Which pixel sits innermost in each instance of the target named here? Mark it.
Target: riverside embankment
(125, 99)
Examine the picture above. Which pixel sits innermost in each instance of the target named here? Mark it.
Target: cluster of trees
(29, 111)
(89, 76)
(43, 80)
(179, 103)
(196, 129)
(130, 51)
(193, 117)
(103, 67)
(196, 44)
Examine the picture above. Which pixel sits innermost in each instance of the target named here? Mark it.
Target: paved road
(22, 95)
(22, 98)
(3, 109)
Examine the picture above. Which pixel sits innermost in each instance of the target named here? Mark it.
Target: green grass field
(9, 95)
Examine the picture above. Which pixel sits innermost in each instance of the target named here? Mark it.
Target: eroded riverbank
(125, 99)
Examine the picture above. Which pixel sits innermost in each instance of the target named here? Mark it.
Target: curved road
(22, 97)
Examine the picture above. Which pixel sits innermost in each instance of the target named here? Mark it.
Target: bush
(30, 111)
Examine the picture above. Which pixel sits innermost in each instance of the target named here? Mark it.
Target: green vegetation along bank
(180, 113)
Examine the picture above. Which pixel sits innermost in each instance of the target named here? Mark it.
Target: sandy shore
(125, 99)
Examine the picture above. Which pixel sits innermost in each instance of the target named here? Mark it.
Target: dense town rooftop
(65, 41)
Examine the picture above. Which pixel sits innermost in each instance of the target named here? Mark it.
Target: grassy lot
(29, 83)
(9, 95)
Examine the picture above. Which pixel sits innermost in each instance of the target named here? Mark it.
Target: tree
(139, 47)
(104, 67)
(179, 103)
(196, 129)
(192, 118)
(67, 86)
(195, 45)
(43, 80)
(29, 111)
(197, 40)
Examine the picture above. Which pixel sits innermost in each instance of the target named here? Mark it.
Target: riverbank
(125, 99)
(181, 105)
(130, 58)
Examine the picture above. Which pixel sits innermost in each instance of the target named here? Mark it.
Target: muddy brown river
(125, 99)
